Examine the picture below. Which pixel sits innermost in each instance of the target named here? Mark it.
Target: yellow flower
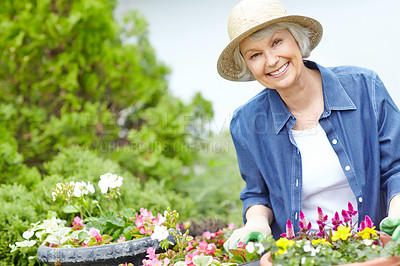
(322, 241)
(367, 232)
(343, 232)
(283, 243)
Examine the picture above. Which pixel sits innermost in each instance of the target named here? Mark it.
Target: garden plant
(83, 94)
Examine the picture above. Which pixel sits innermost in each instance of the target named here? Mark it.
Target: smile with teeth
(279, 71)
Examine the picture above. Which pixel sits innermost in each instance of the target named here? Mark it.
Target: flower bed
(139, 238)
(342, 243)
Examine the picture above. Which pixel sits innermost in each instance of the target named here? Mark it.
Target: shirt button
(297, 182)
(360, 199)
(334, 141)
(347, 168)
(295, 216)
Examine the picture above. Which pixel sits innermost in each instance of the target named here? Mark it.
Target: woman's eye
(254, 55)
(276, 42)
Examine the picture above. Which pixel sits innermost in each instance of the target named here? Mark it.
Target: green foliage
(77, 101)
(216, 184)
(11, 161)
(14, 221)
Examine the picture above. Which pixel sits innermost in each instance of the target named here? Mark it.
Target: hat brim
(226, 65)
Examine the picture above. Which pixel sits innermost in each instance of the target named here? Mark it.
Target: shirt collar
(335, 98)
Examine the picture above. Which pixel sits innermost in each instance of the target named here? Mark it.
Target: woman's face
(275, 61)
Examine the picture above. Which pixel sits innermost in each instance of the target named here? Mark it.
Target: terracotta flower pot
(267, 261)
(133, 251)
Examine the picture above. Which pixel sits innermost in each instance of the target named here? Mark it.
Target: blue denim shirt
(360, 120)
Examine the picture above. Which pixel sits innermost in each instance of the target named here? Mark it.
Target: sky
(189, 36)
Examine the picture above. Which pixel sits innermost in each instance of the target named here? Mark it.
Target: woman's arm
(261, 210)
(394, 206)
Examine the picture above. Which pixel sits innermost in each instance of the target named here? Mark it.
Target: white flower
(367, 242)
(250, 247)
(54, 195)
(90, 187)
(160, 232)
(307, 247)
(261, 248)
(303, 260)
(79, 189)
(28, 234)
(109, 181)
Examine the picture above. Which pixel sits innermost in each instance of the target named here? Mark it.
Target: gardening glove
(391, 226)
(254, 227)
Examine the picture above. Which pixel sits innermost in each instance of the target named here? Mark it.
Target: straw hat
(250, 16)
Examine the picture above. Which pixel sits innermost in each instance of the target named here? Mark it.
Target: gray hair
(300, 34)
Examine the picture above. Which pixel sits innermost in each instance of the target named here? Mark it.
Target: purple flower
(351, 210)
(289, 229)
(368, 222)
(346, 216)
(336, 221)
(362, 226)
(304, 224)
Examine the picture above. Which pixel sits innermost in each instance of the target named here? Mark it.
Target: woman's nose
(271, 59)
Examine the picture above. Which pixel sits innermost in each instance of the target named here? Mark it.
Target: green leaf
(202, 260)
(83, 235)
(70, 209)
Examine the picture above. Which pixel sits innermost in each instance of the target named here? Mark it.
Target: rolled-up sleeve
(388, 116)
(255, 192)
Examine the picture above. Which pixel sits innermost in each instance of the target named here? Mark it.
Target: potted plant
(105, 240)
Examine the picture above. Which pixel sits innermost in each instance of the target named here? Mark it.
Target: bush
(15, 218)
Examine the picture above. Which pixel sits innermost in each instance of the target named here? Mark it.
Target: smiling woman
(313, 132)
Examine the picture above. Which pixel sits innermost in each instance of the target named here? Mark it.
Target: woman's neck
(305, 101)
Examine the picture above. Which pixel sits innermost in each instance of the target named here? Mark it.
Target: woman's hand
(259, 218)
(254, 224)
(391, 224)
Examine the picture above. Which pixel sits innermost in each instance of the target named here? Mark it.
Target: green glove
(253, 237)
(391, 226)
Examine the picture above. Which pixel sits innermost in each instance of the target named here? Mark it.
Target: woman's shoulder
(348, 70)
(253, 104)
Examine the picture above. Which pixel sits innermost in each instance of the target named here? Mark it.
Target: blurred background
(189, 36)
(130, 87)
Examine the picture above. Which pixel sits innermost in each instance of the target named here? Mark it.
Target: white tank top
(324, 182)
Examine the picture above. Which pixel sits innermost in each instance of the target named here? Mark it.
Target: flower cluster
(146, 223)
(206, 249)
(339, 243)
(110, 184)
(76, 189)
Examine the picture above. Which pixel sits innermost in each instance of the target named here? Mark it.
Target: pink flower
(321, 218)
(289, 229)
(151, 253)
(241, 244)
(304, 224)
(77, 223)
(121, 239)
(189, 258)
(139, 222)
(211, 248)
(160, 219)
(346, 216)
(231, 226)
(96, 234)
(207, 235)
(351, 210)
(189, 247)
(336, 221)
(368, 222)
